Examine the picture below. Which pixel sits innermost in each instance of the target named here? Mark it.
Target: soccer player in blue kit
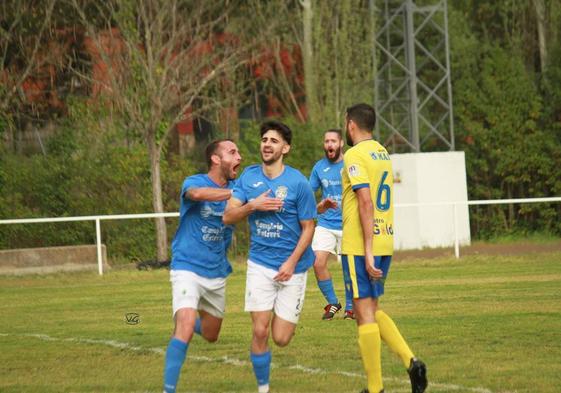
(199, 264)
(280, 205)
(326, 175)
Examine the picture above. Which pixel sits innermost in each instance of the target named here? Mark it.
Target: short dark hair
(336, 131)
(279, 127)
(212, 148)
(363, 115)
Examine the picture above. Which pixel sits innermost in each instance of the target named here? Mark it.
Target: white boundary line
(243, 363)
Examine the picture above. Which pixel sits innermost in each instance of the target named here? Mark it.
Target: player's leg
(391, 335)
(288, 307)
(388, 330)
(323, 243)
(260, 295)
(260, 353)
(282, 331)
(185, 298)
(365, 305)
(209, 326)
(211, 309)
(369, 342)
(349, 314)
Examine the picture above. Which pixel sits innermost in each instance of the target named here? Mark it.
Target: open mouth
(235, 168)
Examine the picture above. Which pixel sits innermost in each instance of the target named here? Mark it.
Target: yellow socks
(392, 337)
(370, 344)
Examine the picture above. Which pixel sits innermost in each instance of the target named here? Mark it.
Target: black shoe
(330, 311)
(418, 375)
(366, 391)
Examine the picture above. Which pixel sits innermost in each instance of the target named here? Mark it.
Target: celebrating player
(326, 174)
(367, 247)
(281, 209)
(199, 265)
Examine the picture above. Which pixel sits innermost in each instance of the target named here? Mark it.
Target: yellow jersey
(368, 165)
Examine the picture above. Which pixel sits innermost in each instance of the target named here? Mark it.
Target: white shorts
(262, 293)
(327, 240)
(189, 290)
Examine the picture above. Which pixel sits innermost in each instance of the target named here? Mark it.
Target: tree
(337, 55)
(164, 60)
(24, 26)
(308, 59)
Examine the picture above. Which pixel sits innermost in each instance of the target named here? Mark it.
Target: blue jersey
(327, 175)
(202, 240)
(274, 235)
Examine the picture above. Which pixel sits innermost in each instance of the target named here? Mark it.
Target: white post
(98, 243)
(456, 235)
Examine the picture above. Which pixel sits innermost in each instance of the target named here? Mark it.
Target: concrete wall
(429, 178)
(49, 259)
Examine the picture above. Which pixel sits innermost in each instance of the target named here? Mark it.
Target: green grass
(482, 324)
(525, 237)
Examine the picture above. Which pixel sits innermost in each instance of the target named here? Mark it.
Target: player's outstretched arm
(208, 194)
(237, 211)
(287, 268)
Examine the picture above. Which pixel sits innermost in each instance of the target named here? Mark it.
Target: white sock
(263, 388)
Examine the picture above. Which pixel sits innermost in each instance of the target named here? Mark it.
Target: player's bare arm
(287, 268)
(325, 204)
(208, 194)
(237, 211)
(366, 213)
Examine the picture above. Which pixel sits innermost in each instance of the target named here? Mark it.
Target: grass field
(481, 323)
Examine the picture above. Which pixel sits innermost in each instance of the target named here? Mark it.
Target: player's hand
(265, 203)
(325, 204)
(373, 272)
(285, 271)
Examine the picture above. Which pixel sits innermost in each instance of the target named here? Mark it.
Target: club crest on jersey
(281, 192)
(354, 171)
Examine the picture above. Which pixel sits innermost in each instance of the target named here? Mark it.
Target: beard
(337, 154)
(348, 138)
(228, 171)
(274, 157)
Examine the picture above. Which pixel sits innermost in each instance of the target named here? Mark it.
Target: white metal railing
(98, 219)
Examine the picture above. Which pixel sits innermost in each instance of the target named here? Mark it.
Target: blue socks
(326, 288)
(198, 325)
(175, 356)
(262, 367)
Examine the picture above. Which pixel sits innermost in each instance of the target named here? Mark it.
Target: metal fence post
(98, 243)
(456, 235)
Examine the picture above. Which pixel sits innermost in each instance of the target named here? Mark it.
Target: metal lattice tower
(413, 87)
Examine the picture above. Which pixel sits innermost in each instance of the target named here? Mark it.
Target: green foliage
(88, 171)
(343, 63)
(509, 152)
